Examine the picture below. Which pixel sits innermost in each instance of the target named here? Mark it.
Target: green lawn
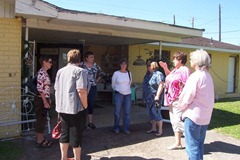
(226, 117)
(9, 150)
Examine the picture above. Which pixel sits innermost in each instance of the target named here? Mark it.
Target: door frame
(232, 64)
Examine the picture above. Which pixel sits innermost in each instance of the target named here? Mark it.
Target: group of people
(75, 91)
(190, 98)
(165, 91)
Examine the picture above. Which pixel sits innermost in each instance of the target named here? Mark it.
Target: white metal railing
(17, 108)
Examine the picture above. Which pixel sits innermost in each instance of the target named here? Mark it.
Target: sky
(200, 14)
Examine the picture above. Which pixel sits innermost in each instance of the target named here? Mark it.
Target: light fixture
(139, 61)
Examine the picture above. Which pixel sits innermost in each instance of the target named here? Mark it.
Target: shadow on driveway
(223, 147)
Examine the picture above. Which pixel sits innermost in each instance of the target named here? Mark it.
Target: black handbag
(32, 85)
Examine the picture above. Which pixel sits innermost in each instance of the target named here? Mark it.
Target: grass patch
(9, 150)
(226, 117)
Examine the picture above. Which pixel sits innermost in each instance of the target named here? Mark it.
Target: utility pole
(174, 20)
(220, 23)
(193, 22)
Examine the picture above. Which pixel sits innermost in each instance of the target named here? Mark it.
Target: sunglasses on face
(49, 62)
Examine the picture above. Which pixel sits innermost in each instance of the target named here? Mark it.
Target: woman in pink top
(196, 102)
(42, 102)
(174, 84)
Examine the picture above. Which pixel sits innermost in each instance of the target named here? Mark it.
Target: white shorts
(175, 117)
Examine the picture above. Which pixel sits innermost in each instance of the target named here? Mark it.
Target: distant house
(225, 65)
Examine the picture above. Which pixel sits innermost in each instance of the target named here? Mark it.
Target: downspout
(33, 59)
(160, 50)
(26, 54)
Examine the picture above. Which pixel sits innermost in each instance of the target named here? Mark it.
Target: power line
(223, 32)
(210, 21)
(232, 38)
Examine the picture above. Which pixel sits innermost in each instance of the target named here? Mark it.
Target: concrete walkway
(103, 144)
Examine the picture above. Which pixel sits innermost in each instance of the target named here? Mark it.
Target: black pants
(72, 128)
(41, 114)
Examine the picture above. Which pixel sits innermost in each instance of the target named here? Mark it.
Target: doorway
(231, 74)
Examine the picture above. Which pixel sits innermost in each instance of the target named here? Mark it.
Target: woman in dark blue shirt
(153, 94)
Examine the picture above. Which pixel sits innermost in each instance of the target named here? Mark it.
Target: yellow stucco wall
(138, 72)
(10, 75)
(219, 72)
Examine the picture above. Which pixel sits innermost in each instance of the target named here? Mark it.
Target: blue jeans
(122, 102)
(194, 138)
(154, 114)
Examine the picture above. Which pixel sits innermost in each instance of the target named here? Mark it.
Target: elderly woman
(153, 90)
(196, 102)
(175, 82)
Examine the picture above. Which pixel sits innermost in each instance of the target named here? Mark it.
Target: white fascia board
(196, 47)
(28, 8)
(32, 9)
(128, 22)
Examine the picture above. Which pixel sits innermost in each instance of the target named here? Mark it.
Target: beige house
(31, 28)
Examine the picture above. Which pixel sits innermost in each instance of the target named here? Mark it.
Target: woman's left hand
(156, 98)
(46, 105)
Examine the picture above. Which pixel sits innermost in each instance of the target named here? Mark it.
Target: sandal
(175, 147)
(158, 134)
(44, 144)
(151, 131)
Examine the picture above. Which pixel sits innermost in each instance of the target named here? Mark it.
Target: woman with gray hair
(196, 102)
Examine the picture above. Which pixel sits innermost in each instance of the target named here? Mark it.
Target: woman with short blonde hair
(154, 88)
(71, 86)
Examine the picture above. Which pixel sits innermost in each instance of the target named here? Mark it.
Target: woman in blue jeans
(197, 101)
(153, 93)
(121, 84)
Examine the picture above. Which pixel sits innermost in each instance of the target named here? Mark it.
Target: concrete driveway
(103, 144)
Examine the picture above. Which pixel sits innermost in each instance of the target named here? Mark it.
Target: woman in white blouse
(121, 84)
